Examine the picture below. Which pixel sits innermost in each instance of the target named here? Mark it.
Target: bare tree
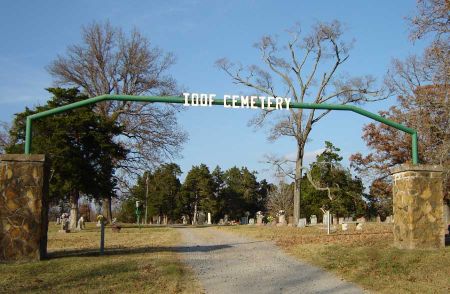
(432, 17)
(109, 61)
(308, 69)
(421, 84)
(281, 198)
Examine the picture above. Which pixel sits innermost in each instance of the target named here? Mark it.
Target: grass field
(136, 261)
(366, 258)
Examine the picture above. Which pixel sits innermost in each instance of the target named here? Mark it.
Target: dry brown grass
(136, 261)
(366, 258)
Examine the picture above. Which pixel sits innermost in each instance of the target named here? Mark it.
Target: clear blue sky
(198, 33)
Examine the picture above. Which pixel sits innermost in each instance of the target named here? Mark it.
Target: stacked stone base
(418, 207)
(23, 207)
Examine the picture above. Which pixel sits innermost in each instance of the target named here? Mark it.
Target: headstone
(301, 223)
(388, 220)
(313, 220)
(359, 227)
(201, 218)
(282, 219)
(334, 219)
(259, 219)
(221, 221)
(251, 221)
(64, 223)
(344, 227)
(341, 220)
(80, 224)
(209, 218)
(184, 220)
(325, 218)
(378, 219)
(244, 220)
(58, 221)
(225, 219)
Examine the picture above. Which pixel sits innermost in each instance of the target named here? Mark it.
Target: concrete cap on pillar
(416, 167)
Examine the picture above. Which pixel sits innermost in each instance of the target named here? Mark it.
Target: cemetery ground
(178, 259)
(136, 261)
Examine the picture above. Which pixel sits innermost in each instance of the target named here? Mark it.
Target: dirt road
(227, 263)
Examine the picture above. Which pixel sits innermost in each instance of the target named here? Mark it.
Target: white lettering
(262, 98)
(237, 101)
(186, 101)
(225, 97)
(252, 102)
(194, 99)
(279, 103)
(269, 102)
(211, 98)
(234, 100)
(244, 101)
(288, 102)
(203, 99)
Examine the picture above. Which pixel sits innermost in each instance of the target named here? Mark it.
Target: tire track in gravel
(227, 263)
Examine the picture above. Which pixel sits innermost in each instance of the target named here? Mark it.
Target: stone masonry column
(418, 207)
(23, 207)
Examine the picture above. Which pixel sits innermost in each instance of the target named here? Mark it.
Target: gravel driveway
(227, 263)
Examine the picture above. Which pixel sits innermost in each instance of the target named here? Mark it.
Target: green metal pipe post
(181, 100)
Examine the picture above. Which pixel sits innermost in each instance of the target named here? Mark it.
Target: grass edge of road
(368, 260)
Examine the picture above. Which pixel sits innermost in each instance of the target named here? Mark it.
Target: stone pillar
(418, 207)
(23, 207)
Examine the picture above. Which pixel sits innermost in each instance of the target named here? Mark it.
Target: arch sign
(227, 101)
(238, 101)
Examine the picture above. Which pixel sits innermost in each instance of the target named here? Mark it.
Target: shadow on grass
(140, 250)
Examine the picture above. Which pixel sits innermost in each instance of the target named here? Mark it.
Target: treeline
(236, 192)
(233, 192)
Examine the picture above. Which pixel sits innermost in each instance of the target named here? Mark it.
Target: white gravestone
(80, 224)
(301, 223)
(251, 221)
(209, 218)
(313, 220)
(325, 218)
(259, 219)
(345, 227)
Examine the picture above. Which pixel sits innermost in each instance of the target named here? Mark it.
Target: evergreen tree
(198, 193)
(79, 145)
(347, 192)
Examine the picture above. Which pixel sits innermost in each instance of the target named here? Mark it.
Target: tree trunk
(298, 177)
(194, 222)
(106, 209)
(73, 199)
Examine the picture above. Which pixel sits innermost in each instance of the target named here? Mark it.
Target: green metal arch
(180, 100)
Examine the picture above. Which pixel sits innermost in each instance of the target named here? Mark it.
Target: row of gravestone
(64, 222)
